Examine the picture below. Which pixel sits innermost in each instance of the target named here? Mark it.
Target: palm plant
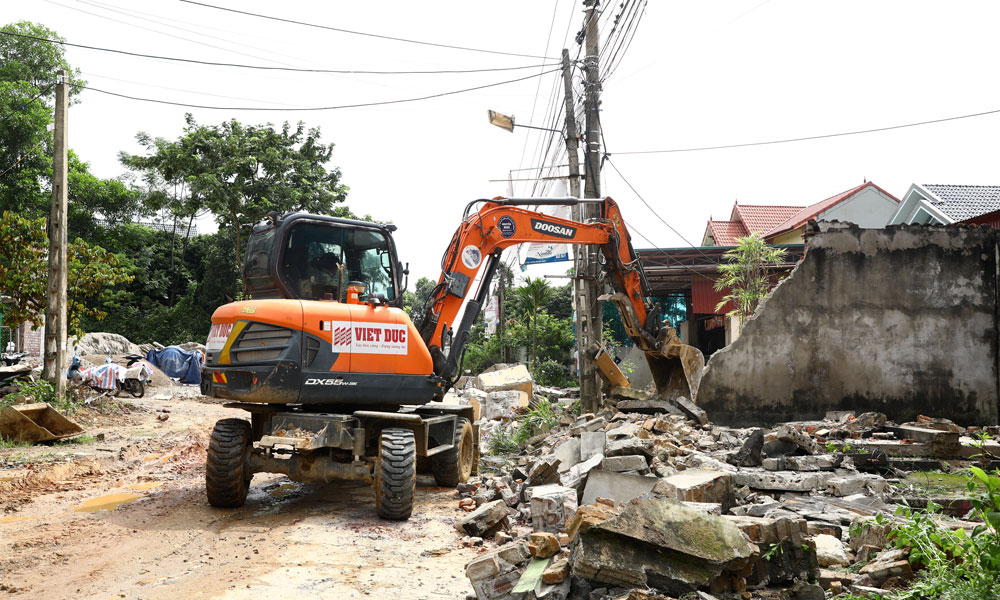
(746, 274)
(532, 297)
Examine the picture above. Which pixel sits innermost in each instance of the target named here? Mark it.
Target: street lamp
(507, 122)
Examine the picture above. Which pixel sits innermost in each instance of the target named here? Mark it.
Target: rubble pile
(648, 499)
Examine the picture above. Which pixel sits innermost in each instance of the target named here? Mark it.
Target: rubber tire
(454, 466)
(135, 387)
(226, 479)
(395, 474)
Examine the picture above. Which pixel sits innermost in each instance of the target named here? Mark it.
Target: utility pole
(55, 309)
(588, 308)
(501, 327)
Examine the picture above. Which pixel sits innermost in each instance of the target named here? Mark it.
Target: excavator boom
(503, 222)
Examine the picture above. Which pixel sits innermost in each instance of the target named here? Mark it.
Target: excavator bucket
(676, 367)
(33, 423)
(677, 370)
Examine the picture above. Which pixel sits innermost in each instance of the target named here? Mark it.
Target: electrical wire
(29, 101)
(361, 33)
(171, 35)
(815, 137)
(653, 210)
(619, 54)
(174, 89)
(269, 68)
(23, 156)
(315, 108)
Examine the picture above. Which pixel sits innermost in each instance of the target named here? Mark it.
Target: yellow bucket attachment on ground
(33, 423)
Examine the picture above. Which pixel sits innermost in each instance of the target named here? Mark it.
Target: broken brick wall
(901, 320)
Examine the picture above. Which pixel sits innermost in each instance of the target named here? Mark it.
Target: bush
(554, 374)
(956, 565)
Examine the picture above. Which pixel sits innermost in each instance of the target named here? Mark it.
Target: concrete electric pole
(588, 308)
(55, 309)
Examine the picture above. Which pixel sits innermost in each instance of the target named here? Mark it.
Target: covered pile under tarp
(177, 363)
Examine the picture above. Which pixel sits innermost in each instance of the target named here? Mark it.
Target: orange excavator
(339, 382)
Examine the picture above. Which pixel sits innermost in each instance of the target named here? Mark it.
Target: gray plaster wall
(901, 320)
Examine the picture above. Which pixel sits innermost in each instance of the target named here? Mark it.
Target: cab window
(320, 260)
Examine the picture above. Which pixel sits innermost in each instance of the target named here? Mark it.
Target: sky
(695, 74)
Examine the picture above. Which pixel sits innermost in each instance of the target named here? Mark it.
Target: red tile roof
(813, 210)
(762, 218)
(725, 232)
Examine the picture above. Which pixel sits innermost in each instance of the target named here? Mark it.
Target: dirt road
(125, 516)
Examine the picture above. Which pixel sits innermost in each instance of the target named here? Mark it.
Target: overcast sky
(696, 74)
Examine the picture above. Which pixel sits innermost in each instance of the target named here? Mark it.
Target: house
(933, 204)
(684, 278)
(744, 220)
(867, 205)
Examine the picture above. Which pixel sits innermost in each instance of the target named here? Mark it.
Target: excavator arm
(503, 222)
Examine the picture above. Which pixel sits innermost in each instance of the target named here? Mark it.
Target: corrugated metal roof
(961, 202)
(725, 232)
(762, 218)
(810, 212)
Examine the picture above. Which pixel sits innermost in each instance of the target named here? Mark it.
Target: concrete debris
(485, 520)
(648, 499)
(551, 507)
(515, 377)
(664, 545)
(830, 551)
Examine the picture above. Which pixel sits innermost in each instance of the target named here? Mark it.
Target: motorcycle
(112, 378)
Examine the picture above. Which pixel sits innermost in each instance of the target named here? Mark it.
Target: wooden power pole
(55, 309)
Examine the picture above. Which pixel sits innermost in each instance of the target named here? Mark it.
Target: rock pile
(647, 499)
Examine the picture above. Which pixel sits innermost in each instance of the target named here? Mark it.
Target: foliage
(241, 172)
(29, 392)
(956, 565)
(541, 417)
(531, 298)
(24, 272)
(415, 302)
(500, 442)
(553, 373)
(746, 275)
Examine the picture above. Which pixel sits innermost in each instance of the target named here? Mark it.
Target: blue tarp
(177, 363)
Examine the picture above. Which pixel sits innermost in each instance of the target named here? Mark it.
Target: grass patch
(80, 439)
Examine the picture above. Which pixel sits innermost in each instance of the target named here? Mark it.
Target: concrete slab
(616, 486)
(592, 443)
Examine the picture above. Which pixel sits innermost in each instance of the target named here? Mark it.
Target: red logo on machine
(369, 338)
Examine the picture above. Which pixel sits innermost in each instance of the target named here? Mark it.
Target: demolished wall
(901, 320)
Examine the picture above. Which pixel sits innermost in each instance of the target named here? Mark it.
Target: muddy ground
(122, 513)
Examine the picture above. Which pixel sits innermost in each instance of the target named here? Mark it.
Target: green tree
(242, 172)
(531, 300)
(415, 302)
(746, 274)
(24, 272)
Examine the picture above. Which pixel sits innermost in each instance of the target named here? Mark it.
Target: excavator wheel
(454, 466)
(226, 479)
(395, 474)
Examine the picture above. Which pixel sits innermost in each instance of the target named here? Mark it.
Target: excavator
(341, 385)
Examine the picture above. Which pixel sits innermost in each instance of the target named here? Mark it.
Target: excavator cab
(310, 257)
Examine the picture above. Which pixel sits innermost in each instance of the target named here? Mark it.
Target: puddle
(14, 519)
(109, 502)
(284, 490)
(142, 487)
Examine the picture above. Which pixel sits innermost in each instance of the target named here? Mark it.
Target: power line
(23, 156)
(362, 33)
(270, 68)
(653, 210)
(174, 89)
(314, 108)
(29, 101)
(816, 137)
(178, 37)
